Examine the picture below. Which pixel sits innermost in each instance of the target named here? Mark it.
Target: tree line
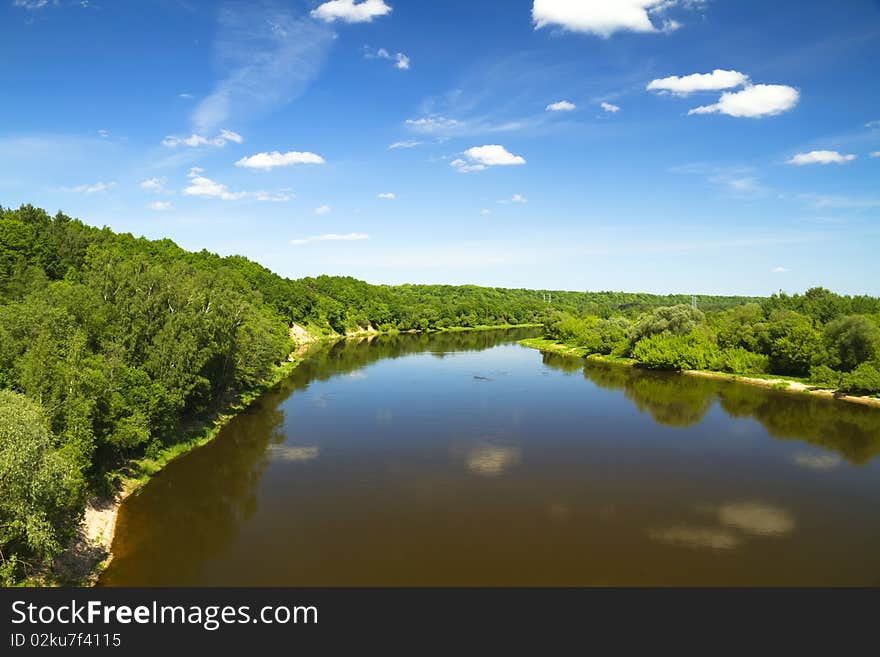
(824, 338)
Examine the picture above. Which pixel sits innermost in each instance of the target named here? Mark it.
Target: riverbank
(91, 551)
(775, 382)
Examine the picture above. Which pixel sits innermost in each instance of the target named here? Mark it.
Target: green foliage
(41, 491)
(694, 351)
(738, 360)
(865, 379)
(677, 320)
(851, 341)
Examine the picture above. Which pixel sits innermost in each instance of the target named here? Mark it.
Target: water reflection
(505, 466)
(681, 401)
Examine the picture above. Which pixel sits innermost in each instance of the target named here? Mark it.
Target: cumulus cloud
(604, 17)
(268, 161)
(331, 237)
(388, 196)
(820, 157)
(202, 186)
(155, 185)
(715, 81)
(194, 140)
(608, 107)
(350, 11)
(160, 206)
(493, 155)
(755, 101)
(561, 106)
(400, 60)
(409, 143)
(92, 189)
(465, 167)
(323, 209)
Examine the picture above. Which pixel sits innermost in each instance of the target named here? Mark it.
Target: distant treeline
(110, 344)
(830, 340)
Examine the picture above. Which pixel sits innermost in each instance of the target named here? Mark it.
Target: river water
(466, 459)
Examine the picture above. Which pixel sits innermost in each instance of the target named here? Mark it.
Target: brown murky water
(465, 459)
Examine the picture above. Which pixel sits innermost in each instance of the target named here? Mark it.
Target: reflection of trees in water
(560, 362)
(680, 401)
(852, 431)
(202, 499)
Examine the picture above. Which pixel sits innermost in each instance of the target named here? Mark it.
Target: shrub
(865, 379)
(737, 360)
(694, 351)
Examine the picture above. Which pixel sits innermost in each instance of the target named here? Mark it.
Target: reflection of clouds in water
(714, 538)
(292, 454)
(357, 374)
(321, 400)
(817, 461)
(384, 416)
(492, 460)
(736, 521)
(756, 518)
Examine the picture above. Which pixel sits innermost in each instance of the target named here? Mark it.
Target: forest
(819, 337)
(110, 344)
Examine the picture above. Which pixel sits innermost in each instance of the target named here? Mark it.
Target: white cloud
(323, 209)
(155, 185)
(432, 124)
(875, 154)
(331, 237)
(516, 198)
(493, 155)
(92, 189)
(608, 107)
(688, 84)
(602, 17)
(185, 96)
(30, 5)
(463, 167)
(388, 196)
(103, 134)
(194, 141)
(820, 157)
(753, 102)
(268, 161)
(160, 206)
(485, 212)
(779, 270)
(267, 54)
(400, 60)
(351, 11)
(204, 187)
(561, 106)
(410, 143)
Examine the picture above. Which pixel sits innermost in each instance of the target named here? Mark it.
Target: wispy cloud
(95, 188)
(155, 185)
(387, 196)
(194, 141)
(820, 157)
(331, 237)
(609, 107)
(323, 209)
(409, 143)
(160, 206)
(202, 186)
(400, 60)
(516, 198)
(269, 56)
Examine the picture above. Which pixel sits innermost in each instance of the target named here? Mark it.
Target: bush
(822, 375)
(694, 351)
(865, 379)
(737, 360)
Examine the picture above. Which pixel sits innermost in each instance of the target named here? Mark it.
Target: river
(466, 459)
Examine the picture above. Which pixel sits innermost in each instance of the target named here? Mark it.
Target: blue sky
(713, 146)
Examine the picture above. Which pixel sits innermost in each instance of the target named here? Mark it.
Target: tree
(851, 341)
(41, 491)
